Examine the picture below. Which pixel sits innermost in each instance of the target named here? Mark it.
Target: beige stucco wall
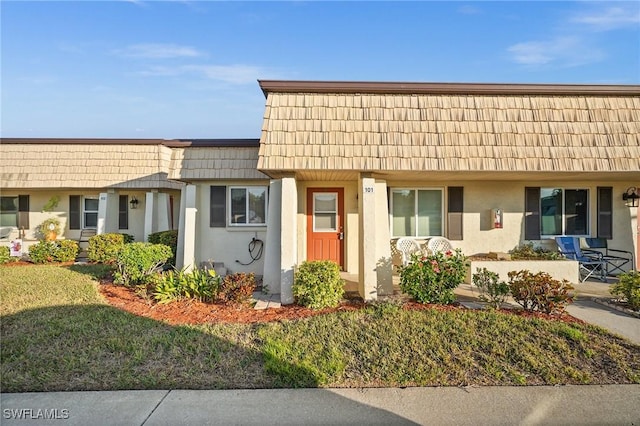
(226, 244)
(38, 199)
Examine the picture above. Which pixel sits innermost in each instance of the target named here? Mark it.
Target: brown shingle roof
(450, 127)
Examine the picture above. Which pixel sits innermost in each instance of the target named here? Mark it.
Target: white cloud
(234, 74)
(610, 18)
(469, 10)
(159, 51)
(561, 51)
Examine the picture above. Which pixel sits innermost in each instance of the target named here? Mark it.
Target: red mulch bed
(195, 312)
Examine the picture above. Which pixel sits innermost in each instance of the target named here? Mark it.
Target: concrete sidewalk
(531, 405)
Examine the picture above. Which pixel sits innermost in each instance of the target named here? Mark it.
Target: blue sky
(189, 69)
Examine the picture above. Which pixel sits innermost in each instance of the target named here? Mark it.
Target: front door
(325, 224)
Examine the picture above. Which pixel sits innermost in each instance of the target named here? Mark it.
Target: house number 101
(368, 189)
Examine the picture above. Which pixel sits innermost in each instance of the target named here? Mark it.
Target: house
(342, 169)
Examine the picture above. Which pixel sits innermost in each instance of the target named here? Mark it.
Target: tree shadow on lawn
(99, 347)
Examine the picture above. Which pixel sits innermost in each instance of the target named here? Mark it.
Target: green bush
(198, 284)
(237, 288)
(168, 238)
(539, 292)
(104, 248)
(432, 279)
(492, 289)
(5, 254)
(138, 261)
(317, 284)
(628, 287)
(529, 252)
(53, 251)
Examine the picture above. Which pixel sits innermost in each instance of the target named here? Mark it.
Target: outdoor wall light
(134, 203)
(630, 197)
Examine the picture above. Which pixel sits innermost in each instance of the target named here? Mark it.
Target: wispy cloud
(159, 51)
(560, 51)
(234, 74)
(610, 18)
(467, 9)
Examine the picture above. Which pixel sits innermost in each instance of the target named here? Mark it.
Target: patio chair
(615, 262)
(438, 244)
(589, 264)
(5, 232)
(407, 247)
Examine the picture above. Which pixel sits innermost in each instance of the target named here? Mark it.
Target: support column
(185, 256)
(149, 216)
(272, 255)
(289, 238)
(163, 212)
(384, 263)
(367, 281)
(103, 201)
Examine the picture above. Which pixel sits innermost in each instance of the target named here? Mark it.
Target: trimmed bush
(628, 287)
(529, 252)
(317, 284)
(5, 254)
(492, 289)
(198, 284)
(53, 251)
(137, 261)
(539, 292)
(168, 238)
(104, 248)
(237, 288)
(432, 279)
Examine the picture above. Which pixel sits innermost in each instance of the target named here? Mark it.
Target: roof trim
(300, 86)
(172, 143)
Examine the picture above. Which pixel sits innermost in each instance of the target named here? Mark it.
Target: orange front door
(325, 224)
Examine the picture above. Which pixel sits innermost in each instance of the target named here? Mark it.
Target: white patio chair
(407, 247)
(438, 244)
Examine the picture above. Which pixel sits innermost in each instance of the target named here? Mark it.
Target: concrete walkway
(614, 321)
(532, 405)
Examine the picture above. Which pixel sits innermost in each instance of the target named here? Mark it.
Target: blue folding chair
(591, 264)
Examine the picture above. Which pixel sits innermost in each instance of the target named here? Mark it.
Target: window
(9, 211)
(248, 205)
(416, 212)
(90, 212)
(564, 211)
(325, 212)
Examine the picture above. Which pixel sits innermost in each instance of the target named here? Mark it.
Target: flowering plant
(432, 278)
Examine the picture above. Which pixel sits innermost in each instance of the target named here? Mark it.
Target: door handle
(341, 236)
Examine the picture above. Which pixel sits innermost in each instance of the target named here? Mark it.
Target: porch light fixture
(134, 203)
(631, 197)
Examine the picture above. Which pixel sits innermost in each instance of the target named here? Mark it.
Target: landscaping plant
(628, 287)
(104, 248)
(539, 292)
(527, 251)
(168, 238)
(492, 289)
(136, 262)
(317, 284)
(53, 251)
(200, 284)
(237, 288)
(432, 279)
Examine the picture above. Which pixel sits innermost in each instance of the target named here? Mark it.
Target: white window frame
(415, 210)
(564, 215)
(315, 229)
(246, 208)
(14, 212)
(85, 211)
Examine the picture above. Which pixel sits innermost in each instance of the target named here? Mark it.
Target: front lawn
(58, 333)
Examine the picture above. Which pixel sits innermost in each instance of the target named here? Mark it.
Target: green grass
(58, 334)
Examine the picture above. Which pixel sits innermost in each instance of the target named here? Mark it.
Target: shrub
(628, 287)
(237, 288)
(168, 238)
(492, 290)
(137, 261)
(529, 252)
(200, 284)
(44, 231)
(317, 284)
(539, 292)
(431, 279)
(104, 248)
(4, 254)
(53, 251)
